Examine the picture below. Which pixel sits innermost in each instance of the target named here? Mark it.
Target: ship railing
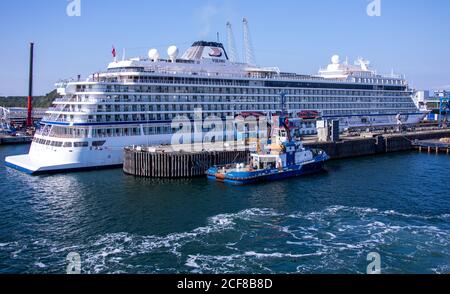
(59, 100)
(50, 115)
(66, 98)
(63, 136)
(267, 76)
(53, 118)
(87, 98)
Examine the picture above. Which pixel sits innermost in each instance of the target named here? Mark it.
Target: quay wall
(10, 140)
(377, 145)
(157, 164)
(177, 164)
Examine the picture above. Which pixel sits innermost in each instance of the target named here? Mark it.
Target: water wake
(262, 240)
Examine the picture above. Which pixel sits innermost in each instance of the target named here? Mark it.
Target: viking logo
(215, 52)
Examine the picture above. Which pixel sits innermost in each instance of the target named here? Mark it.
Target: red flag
(113, 52)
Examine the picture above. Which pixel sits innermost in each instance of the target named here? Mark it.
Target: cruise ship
(134, 101)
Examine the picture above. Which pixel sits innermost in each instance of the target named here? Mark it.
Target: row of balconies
(168, 115)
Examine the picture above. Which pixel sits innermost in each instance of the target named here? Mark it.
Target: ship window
(80, 144)
(67, 144)
(98, 143)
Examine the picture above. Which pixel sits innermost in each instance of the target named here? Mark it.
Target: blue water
(397, 205)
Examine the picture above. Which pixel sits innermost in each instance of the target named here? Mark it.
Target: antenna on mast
(248, 56)
(29, 122)
(231, 45)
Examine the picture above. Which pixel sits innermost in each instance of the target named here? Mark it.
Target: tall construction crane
(249, 57)
(232, 53)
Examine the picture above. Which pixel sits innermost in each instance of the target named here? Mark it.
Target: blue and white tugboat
(285, 157)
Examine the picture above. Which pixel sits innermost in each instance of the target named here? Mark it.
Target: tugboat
(285, 157)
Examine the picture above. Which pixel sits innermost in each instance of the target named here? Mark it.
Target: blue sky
(410, 36)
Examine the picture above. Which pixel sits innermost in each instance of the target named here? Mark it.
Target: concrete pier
(163, 162)
(432, 146)
(170, 164)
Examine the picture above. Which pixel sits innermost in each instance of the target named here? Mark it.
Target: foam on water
(335, 239)
(40, 265)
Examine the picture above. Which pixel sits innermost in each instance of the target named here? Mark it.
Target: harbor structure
(166, 163)
(437, 146)
(16, 117)
(161, 162)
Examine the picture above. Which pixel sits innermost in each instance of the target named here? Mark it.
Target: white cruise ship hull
(47, 159)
